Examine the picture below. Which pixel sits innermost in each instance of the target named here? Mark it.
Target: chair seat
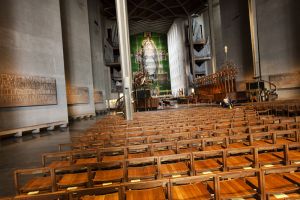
(139, 155)
(208, 164)
(73, 179)
(57, 164)
(197, 191)
(238, 161)
(237, 145)
(82, 161)
(141, 172)
(113, 196)
(274, 183)
(173, 168)
(146, 194)
(294, 177)
(268, 158)
(235, 188)
(37, 184)
(260, 143)
(213, 147)
(284, 140)
(163, 152)
(293, 155)
(112, 158)
(188, 150)
(108, 175)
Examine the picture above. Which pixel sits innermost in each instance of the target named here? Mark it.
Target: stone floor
(25, 152)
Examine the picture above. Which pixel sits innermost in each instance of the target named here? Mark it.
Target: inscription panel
(98, 96)
(289, 80)
(77, 95)
(22, 90)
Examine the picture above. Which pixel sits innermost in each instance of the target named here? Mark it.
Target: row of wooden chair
(200, 140)
(88, 171)
(173, 117)
(197, 131)
(264, 183)
(283, 107)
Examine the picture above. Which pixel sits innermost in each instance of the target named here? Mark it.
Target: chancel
(149, 99)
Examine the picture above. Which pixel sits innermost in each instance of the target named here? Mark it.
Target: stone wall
(31, 46)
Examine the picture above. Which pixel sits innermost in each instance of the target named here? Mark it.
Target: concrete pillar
(77, 57)
(254, 38)
(212, 36)
(123, 28)
(96, 27)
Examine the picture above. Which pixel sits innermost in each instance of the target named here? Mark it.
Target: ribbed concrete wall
(31, 44)
(77, 52)
(177, 56)
(279, 44)
(96, 24)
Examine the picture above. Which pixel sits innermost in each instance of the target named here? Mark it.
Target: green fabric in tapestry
(149, 52)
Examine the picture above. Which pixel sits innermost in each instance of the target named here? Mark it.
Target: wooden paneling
(24, 90)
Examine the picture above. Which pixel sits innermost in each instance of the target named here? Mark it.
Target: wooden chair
(239, 130)
(103, 173)
(267, 156)
(174, 165)
(105, 193)
(285, 136)
(188, 146)
(260, 139)
(274, 181)
(231, 185)
(141, 168)
(239, 158)
(258, 128)
(214, 143)
(77, 176)
(138, 151)
(161, 149)
(112, 154)
(190, 188)
(291, 153)
(57, 159)
(208, 161)
(85, 157)
(237, 141)
(40, 181)
(150, 190)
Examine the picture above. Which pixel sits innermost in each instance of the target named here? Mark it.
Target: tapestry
(149, 53)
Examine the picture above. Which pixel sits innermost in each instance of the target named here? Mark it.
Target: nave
(194, 153)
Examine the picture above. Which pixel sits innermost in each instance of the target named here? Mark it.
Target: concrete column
(191, 45)
(123, 28)
(77, 57)
(254, 38)
(212, 36)
(96, 27)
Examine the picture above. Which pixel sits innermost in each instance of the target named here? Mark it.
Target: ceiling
(154, 15)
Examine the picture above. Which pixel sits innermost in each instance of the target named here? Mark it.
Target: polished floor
(25, 152)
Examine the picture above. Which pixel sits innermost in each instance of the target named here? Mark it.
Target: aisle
(25, 152)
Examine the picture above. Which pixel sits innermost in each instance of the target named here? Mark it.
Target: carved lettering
(18, 90)
(77, 95)
(98, 96)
